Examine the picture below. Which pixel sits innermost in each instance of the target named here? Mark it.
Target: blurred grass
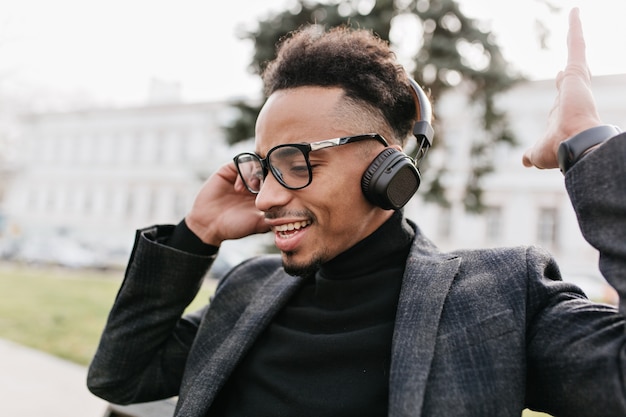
(60, 311)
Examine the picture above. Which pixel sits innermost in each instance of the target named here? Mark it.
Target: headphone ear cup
(391, 179)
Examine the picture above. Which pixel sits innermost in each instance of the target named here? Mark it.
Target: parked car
(55, 250)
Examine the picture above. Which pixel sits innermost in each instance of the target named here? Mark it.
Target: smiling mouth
(288, 229)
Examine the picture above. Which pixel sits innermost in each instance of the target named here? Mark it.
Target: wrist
(573, 149)
(183, 238)
(203, 232)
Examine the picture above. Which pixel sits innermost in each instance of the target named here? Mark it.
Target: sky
(110, 50)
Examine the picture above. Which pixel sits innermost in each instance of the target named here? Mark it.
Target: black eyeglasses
(289, 163)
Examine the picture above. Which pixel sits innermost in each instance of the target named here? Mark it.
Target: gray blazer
(478, 333)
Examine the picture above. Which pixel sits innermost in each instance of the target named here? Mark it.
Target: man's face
(314, 224)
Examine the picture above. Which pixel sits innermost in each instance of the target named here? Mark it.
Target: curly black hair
(356, 60)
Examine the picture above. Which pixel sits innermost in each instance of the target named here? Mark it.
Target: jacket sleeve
(597, 189)
(146, 340)
(577, 349)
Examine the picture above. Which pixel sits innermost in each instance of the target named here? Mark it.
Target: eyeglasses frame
(306, 149)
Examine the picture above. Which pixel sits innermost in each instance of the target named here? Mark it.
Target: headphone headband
(423, 114)
(422, 129)
(422, 104)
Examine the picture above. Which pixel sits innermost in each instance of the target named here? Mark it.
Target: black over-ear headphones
(392, 179)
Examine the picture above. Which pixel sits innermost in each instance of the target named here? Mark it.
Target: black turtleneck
(328, 352)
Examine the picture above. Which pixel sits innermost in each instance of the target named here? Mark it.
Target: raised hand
(574, 109)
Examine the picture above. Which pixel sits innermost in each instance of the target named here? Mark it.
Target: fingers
(536, 158)
(576, 48)
(575, 40)
(573, 109)
(526, 159)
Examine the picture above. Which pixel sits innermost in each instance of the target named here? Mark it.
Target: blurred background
(112, 114)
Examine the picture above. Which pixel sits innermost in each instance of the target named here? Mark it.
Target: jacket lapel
(427, 280)
(223, 356)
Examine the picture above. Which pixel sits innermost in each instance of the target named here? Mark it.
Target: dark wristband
(573, 149)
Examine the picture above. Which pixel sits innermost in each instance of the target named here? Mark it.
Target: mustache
(280, 213)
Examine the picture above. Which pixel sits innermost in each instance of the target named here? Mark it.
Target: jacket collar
(215, 360)
(426, 283)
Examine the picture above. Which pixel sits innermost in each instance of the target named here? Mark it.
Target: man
(361, 314)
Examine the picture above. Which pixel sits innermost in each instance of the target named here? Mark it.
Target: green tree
(450, 44)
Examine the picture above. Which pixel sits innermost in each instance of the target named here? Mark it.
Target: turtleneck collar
(388, 245)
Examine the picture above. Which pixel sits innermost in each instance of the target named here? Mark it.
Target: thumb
(526, 158)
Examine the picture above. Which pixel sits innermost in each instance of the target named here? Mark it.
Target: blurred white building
(95, 176)
(7, 163)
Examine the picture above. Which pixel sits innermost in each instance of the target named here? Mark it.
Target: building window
(158, 145)
(88, 203)
(151, 203)
(547, 226)
(130, 203)
(181, 205)
(493, 223)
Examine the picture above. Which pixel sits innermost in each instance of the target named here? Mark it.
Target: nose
(272, 194)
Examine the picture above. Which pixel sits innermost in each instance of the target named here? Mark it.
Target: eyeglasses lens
(290, 167)
(251, 171)
(288, 164)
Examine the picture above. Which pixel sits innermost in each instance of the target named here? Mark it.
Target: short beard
(305, 271)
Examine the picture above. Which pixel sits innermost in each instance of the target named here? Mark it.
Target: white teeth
(292, 226)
